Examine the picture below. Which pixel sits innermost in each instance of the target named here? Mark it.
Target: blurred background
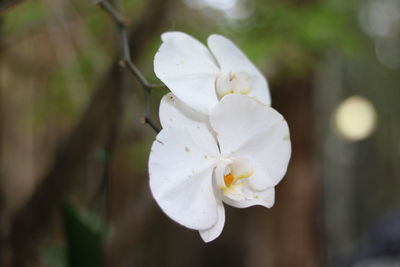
(73, 152)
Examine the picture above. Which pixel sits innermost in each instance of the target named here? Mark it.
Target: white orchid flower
(236, 156)
(189, 68)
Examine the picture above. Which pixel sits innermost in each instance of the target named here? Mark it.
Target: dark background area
(73, 152)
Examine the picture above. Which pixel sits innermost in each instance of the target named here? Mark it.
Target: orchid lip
(231, 174)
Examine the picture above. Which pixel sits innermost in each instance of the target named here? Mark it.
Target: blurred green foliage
(84, 234)
(84, 237)
(30, 13)
(54, 256)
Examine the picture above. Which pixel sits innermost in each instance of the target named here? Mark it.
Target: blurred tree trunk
(297, 200)
(287, 235)
(1, 127)
(2, 198)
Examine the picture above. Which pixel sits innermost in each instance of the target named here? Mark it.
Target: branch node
(122, 63)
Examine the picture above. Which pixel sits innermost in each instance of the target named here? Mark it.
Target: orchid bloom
(189, 68)
(236, 156)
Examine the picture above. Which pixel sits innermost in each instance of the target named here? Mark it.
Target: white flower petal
(188, 69)
(212, 233)
(181, 166)
(264, 198)
(231, 59)
(248, 129)
(174, 112)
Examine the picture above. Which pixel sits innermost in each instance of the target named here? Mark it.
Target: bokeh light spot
(355, 118)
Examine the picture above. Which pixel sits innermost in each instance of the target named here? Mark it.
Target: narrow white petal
(213, 232)
(188, 69)
(181, 166)
(231, 59)
(248, 129)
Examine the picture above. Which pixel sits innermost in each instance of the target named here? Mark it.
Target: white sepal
(213, 232)
(181, 165)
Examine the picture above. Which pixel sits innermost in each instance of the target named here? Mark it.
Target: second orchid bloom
(201, 76)
(220, 141)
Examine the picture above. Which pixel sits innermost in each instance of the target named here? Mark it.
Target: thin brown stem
(126, 60)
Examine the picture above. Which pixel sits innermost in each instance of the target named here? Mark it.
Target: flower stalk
(126, 61)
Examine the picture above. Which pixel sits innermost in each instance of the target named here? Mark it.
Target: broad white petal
(231, 59)
(188, 69)
(181, 166)
(212, 233)
(246, 128)
(264, 198)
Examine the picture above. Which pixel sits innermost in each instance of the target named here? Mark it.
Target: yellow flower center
(228, 179)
